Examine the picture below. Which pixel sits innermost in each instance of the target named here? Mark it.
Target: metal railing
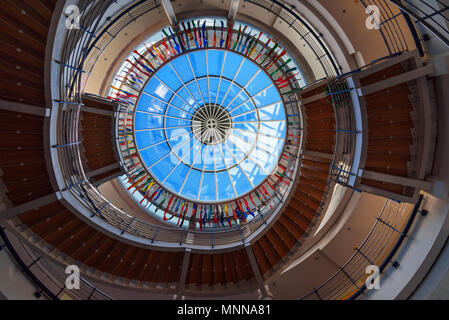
(305, 32)
(49, 278)
(81, 51)
(432, 15)
(378, 249)
(339, 93)
(390, 26)
(289, 158)
(399, 17)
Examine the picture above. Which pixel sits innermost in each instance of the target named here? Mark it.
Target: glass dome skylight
(210, 125)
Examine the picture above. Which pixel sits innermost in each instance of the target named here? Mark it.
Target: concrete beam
(233, 9)
(318, 154)
(13, 212)
(386, 194)
(393, 81)
(103, 170)
(408, 182)
(22, 108)
(97, 111)
(263, 291)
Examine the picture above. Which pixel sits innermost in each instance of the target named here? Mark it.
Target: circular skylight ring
(235, 106)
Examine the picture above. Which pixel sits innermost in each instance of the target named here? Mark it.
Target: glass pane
(150, 104)
(192, 184)
(225, 190)
(208, 187)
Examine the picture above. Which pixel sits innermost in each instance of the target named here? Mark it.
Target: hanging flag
(205, 215)
(152, 54)
(281, 66)
(248, 36)
(214, 43)
(176, 45)
(263, 48)
(185, 213)
(140, 63)
(276, 59)
(185, 33)
(210, 214)
(189, 30)
(146, 60)
(198, 30)
(220, 213)
(250, 45)
(255, 45)
(252, 200)
(242, 35)
(248, 208)
(216, 214)
(222, 32)
(258, 197)
(169, 52)
(229, 34)
(244, 215)
(233, 212)
(159, 206)
(170, 202)
(265, 191)
(133, 72)
(169, 42)
(195, 36)
(159, 54)
(193, 218)
(129, 94)
(181, 36)
(270, 53)
(158, 195)
(180, 214)
(201, 217)
(205, 36)
(227, 216)
(238, 37)
(137, 67)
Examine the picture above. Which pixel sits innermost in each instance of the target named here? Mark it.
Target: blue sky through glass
(248, 119)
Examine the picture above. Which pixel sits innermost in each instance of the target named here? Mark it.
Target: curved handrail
(378, 248)
(24, 267)
(78, 185)
(396, 247)
(309, 34)
(276, 183)
(46, 277)
(429, 17)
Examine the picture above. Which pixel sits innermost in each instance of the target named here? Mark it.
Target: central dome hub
(211, 124)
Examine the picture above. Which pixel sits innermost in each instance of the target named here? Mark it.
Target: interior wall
(351, 17)
(323, 260)
(13, 283)
(115, 193)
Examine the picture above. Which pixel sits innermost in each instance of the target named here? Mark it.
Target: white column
(264, 292)
(168, 8)
(233, 8)
(183, 278)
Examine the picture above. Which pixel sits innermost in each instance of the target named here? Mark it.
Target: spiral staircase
(365, 128)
